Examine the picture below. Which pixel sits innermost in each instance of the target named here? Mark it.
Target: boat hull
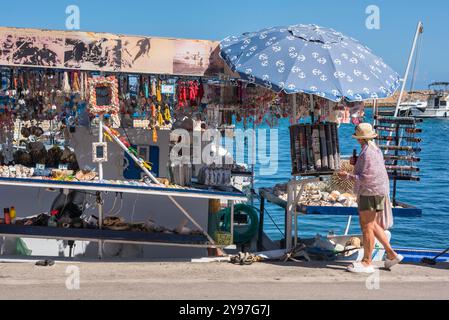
(430, 113)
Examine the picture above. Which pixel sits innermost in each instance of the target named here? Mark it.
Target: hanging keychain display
(397, 138)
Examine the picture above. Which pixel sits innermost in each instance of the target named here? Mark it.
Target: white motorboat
(436, 105)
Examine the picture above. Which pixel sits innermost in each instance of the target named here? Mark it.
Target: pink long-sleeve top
(370, 175)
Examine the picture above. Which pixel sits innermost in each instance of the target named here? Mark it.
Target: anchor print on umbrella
(310, 59)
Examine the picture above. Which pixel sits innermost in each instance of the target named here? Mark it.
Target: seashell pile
(85, 175)
(59, 174)
(314, 194)
(17, 171)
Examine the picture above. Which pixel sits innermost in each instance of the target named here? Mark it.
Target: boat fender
(240, 236)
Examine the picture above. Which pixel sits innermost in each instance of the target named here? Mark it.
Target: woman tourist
(372, 189)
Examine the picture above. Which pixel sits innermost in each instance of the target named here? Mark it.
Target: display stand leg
(231, 204)
(188, 216)
(396, 153)
(261, 223)
(100, 226)
(293, 197)
(297, 196)
(100, 201)
(288, 219)
(284, 241)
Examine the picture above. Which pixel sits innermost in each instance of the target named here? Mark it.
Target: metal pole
(297, 198)
(396, 153)
(100, 139)
(196, 224)
(253, 166)
(289, 213)
(100, 204)
(261, 223)
(232, 220)
(419, 30)
(348, 225)
(295, 215)
(374, 111)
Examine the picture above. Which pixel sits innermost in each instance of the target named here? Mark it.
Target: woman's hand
(343, 174)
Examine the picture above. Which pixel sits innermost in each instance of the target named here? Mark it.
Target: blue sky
(208, 19)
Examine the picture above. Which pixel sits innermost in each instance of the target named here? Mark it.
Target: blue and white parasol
(310, 59)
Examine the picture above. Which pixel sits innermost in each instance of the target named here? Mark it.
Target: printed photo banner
(108, 52)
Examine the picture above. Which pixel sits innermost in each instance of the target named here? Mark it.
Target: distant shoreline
(392, 101)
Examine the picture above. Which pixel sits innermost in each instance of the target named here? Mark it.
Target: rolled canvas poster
(309, 140)
(316, 147)
(298, 149)
(293, 149)
(303, 147)
(330, 147)
(323, 148)
(336, 143)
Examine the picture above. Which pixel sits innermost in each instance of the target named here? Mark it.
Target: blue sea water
(430, 194)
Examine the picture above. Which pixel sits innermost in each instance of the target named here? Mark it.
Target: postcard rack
(398, 138)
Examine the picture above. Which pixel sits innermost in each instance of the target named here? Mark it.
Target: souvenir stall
(96, 135)
(326, 92)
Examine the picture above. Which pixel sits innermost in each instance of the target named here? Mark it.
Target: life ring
(241, 235)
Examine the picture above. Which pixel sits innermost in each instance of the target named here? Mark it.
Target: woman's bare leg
(380, 235)
(367, 223)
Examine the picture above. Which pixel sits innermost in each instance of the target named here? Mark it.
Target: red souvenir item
(193, 90)
(200, 92)
(182, 94)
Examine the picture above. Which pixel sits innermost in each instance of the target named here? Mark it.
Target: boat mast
(419, 31)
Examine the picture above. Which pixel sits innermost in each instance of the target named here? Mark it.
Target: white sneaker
(358, 267)
(391, 263)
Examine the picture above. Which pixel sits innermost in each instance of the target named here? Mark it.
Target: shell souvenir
(110, 83)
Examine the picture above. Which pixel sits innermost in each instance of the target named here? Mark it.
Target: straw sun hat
(364, 131)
